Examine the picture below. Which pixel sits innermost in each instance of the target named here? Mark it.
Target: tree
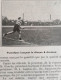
(4, 20)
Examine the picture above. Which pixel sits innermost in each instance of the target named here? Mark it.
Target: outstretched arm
(21, 27)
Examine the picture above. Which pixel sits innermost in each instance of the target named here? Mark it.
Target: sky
(32, 9)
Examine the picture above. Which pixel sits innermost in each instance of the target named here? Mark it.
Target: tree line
(6, 21)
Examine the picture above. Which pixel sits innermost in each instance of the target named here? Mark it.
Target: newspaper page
(30, 39)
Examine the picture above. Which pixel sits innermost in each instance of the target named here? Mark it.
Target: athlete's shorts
(16, 28)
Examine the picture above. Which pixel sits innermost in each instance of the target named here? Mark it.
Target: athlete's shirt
(18, 22)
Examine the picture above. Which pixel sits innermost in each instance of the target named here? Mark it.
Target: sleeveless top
(18, 22)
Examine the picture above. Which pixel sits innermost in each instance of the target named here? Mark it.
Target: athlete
(16, 28)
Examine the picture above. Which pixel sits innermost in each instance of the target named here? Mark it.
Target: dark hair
(19, 18)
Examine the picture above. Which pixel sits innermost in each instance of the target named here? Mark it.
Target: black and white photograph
(31, 23)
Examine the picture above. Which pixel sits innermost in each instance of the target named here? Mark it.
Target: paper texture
(33, 51)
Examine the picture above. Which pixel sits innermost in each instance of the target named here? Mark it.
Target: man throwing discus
(16, 28)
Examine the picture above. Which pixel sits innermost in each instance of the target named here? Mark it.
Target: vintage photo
(31, 40)
(31, 23)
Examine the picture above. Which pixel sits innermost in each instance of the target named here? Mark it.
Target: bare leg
(11, 32)
(19, 35)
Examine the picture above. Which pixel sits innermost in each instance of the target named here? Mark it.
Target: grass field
(36, 36)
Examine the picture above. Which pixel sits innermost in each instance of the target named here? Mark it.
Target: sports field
(34, 36)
